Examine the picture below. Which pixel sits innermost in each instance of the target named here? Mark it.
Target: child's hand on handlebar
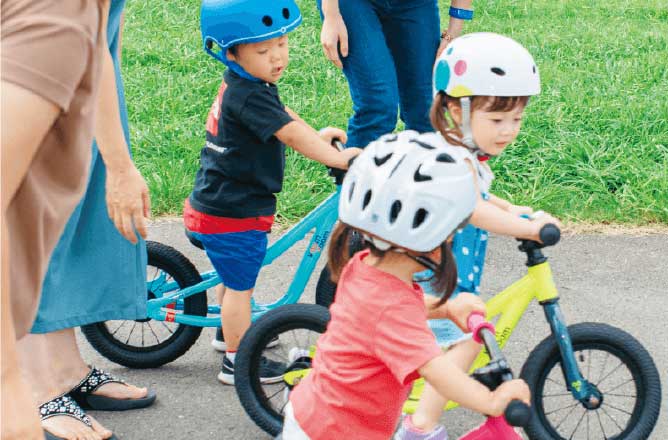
(515, 389)
(328, 134)
(346, 156)
(519, 210)
(459, 308)
(540, 220)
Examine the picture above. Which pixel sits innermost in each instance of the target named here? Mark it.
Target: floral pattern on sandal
(64, 405)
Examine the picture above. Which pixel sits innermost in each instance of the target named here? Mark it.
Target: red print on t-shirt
(214, 113)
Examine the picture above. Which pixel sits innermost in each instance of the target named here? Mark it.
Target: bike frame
(509, 306)
(167, 306)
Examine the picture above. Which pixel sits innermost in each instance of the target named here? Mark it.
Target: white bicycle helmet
(484, 64)
(407, 191)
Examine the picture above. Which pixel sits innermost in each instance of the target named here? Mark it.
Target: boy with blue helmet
(233, 203)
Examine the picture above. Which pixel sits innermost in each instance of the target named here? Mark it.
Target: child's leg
(220, 292)
(431, 403)
(236, 316)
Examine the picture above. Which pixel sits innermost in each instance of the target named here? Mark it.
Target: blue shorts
(236, 256)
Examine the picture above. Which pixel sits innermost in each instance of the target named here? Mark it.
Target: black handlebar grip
(549, 234)
(518, 413)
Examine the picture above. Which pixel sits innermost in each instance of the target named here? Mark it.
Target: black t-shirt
(242, 163)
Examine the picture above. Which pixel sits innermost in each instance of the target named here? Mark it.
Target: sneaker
(270, 371)
(218, 342)
(407, 431)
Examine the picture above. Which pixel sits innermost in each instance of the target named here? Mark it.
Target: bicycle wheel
(325, 290)
(147, 343)
(297, 326)
(616, 364)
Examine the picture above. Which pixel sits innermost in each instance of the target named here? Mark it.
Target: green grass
(594, 146)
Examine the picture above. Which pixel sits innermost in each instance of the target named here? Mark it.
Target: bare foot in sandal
(63, 418)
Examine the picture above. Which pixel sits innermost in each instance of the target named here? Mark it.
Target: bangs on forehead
(499, 103)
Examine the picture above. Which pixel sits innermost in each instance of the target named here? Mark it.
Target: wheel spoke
(118, 328)
(578, 424)
(131, 331)
(610, 373)
(618, 386)
(556, 395)
(567, 414)
(618, 409)
(620, 395)
(610, 417)
(604, 364)
(167, 327)
(562, 408)
(598, 416)
(153, 331)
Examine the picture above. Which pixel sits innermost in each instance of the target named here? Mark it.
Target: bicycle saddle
(195, 242)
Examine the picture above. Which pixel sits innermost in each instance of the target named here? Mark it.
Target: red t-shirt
(367, 359)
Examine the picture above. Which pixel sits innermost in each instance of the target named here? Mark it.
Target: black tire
(170, 262)
(623, 350)
(325, 290)
(255, 397)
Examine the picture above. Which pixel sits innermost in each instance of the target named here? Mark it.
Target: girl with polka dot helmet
(482, 84)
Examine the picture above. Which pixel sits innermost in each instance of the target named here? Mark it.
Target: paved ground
(620, 280)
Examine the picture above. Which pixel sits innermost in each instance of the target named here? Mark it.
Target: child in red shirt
(406, 197)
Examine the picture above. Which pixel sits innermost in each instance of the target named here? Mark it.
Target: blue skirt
(95, 274)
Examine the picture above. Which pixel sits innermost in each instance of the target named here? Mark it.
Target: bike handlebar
(517, 413)
(549, 234)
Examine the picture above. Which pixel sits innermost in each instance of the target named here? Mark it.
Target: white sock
(231, 355)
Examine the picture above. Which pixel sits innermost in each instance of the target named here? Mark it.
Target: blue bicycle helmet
(225, 23)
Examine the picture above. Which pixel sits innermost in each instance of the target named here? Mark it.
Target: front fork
(579, 387)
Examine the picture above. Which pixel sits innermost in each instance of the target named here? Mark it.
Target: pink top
(367, 359)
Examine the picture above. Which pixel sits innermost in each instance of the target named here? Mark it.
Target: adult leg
(370, 72)
(412, 30)
(52, 363)
(20, 142)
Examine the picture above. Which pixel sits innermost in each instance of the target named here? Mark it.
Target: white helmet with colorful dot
(484, 64)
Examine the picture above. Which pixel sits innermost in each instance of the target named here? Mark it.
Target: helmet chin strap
(385, 246)
(467, 133)
(236, 68)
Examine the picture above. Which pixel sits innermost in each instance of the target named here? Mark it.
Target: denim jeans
(392, 47)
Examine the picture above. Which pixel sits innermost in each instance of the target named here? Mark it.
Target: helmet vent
(381, 160)
(420, 217)
(499, 71)
(419, 177)
(351, 191)
(267, 20)
(534, 68)
(395, 209)
(367, 199)
(445, 158)
(423, 144)
(391, 138)
(286, 13)
(396, 166)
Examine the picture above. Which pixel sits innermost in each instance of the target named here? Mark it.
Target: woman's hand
(328, 134)
(334, 36)
(460, 308)
(128, 201)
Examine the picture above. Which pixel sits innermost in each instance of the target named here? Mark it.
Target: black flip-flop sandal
(83, 394)
(64, 405)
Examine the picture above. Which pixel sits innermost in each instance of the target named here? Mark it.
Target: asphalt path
(621, 280)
